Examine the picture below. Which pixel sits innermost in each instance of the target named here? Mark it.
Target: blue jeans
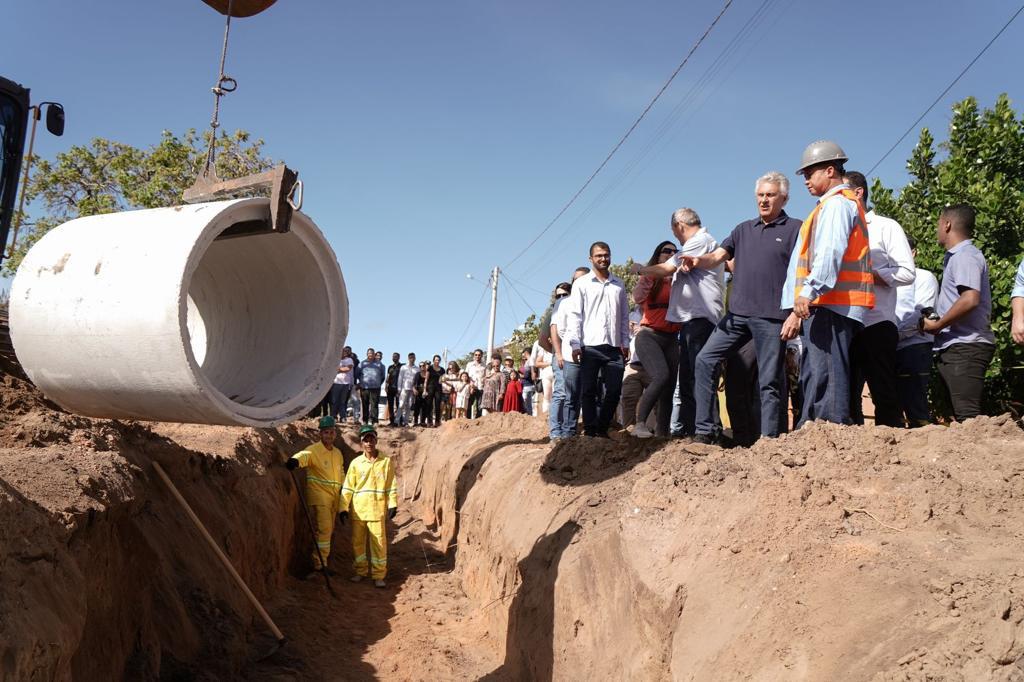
(562, 412)
(730, 334)
(692, 338)
(339, 400)
(825, 366)
(606, 361)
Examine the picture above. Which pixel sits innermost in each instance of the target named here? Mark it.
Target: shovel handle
(220, 554)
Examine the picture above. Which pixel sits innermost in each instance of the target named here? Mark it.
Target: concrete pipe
(148, 315)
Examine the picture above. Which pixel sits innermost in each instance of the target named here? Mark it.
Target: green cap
(327, 422)
(367, 428)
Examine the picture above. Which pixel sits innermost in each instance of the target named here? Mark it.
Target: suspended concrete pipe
(149, 315)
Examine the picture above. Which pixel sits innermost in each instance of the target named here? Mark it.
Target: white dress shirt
(699, 293)
(596, 313)
(407, 377)
(910, 301)
(892, 261)
(476, 371)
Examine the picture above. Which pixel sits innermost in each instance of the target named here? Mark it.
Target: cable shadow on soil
(583, 460)
(530, 640)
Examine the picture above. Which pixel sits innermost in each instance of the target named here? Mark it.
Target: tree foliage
(105, 176)
(983, 165)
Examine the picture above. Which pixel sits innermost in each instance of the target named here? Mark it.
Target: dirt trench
(832, 553)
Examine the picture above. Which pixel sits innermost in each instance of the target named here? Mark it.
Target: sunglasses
(558, 296)
(669, 251)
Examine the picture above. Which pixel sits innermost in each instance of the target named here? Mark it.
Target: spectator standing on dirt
(634, 378)
(435, 395)
(391, 388)
(541, 361)
(597, 331)
(695, 302)
(371, 493)
(829, 284)
(562, 415)
(325, 473)
(476, 369)
(371, 378)
(513, 400)
(873, 349)
(964, 342)
(494, 386)
(420, 408)
(407, 390)
(448, 381)
(462, 389)
(528, 377)
(1017, 303)
(342, 388)
(657, 346)
(914, 349)
(759, 250)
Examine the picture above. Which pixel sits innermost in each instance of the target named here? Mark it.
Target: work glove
(392, 512)
(342, 517)
(292, 463)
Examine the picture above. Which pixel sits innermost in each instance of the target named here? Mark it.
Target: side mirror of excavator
(55, 118)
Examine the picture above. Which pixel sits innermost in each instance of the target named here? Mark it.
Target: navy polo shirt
(761, 252)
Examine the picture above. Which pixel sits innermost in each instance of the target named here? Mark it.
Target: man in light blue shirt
(1017, 303)
(828, 306)
(964, 343)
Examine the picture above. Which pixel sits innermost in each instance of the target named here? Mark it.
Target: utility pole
(494, 311)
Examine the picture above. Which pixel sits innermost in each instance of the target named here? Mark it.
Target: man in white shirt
(406, 385)
(696, 300)
(597, 331)
(342, 388)
(873, 348)
(564, 413)
(476, 369)
(914, 349)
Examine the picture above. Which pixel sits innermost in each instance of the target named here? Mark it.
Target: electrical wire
(687, 106)
(629, 132)
(508, 280)
(948, 88)
(471, 319)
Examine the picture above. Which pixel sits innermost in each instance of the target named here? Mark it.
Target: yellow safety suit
(371, 489)
(323, 488)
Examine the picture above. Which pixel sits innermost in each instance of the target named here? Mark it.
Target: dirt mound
(830, 553)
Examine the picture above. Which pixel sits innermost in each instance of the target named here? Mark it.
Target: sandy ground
(832, 553)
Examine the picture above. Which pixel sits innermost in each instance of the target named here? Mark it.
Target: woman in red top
(657, 346)
(513, 394)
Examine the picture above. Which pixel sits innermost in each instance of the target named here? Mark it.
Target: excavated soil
(831, 553)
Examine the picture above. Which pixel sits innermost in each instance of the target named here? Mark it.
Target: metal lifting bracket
(285, 197)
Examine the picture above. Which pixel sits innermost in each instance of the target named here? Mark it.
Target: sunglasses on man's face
(669, 251)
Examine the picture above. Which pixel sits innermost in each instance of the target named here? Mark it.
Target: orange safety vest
(855, 284)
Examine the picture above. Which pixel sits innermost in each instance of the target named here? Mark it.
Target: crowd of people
(792, 317)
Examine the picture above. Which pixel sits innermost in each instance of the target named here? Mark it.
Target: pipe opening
(254, 305)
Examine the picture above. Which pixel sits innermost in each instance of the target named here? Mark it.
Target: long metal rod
(24, 181)
(312, 531)
(220, 554)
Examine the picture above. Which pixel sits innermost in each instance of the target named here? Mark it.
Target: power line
(624, 137)
(508, 280)
(525, 286)
(948, 88)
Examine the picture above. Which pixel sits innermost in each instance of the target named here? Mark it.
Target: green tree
(983, 165)
(106, 176)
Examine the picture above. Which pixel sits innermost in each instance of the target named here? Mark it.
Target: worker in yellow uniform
(371, 492)
(325, 472)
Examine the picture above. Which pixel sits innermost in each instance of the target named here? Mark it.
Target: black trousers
(370, 398)
(392, 394)
(962, 369)
(473, 404)
(873, 359)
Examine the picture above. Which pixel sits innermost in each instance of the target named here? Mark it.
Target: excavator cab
(14, 110)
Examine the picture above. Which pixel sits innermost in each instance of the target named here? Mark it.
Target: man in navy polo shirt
(964, 342)
(760, 250)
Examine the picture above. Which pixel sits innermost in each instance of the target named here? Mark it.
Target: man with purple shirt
(964, 342)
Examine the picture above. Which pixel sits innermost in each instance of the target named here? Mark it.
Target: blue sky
(437, 139)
